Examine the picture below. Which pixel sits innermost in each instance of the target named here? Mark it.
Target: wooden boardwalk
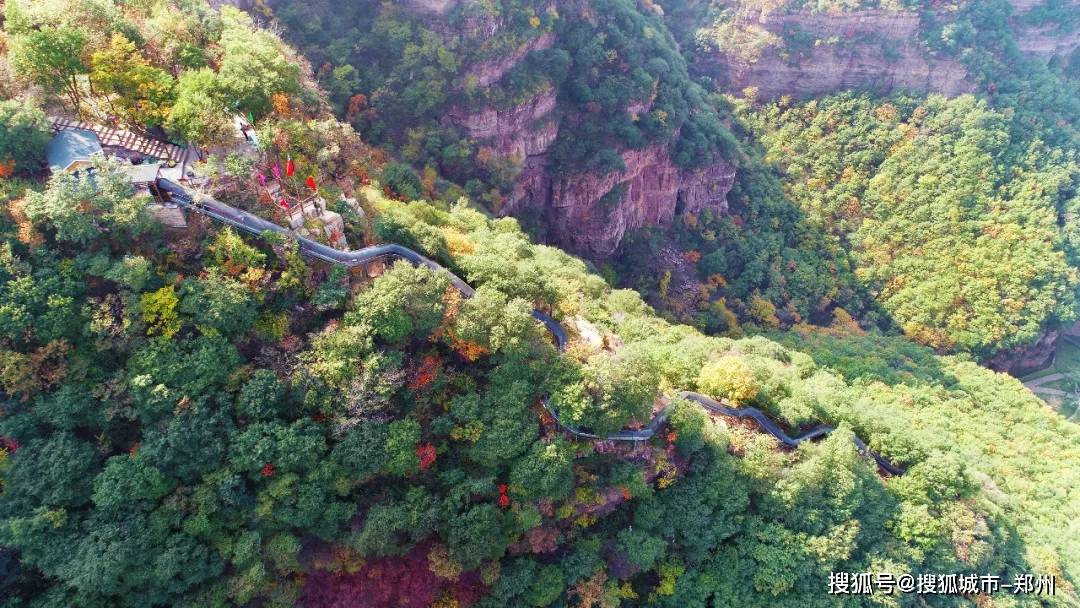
(115, 137)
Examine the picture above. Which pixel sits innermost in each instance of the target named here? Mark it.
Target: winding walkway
(253, 224)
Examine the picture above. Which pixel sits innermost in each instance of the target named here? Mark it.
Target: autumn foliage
(426, 372)
(403, 582)
(427, 454)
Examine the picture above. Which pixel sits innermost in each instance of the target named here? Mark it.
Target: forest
(199, 416)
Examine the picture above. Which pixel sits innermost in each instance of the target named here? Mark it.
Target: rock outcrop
(436, 7)
(519, 132)
(487, 73)
(1047, 40)
(806, 54)
(591, 213)
(586, 213)
(1037, 355)
(875, 49)
(1026, 359)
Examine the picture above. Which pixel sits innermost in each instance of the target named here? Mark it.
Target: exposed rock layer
(590, 213)
(876, 49)
(1024, 360)
(1045, 41)
(520, 131)
(489, 72)
(586, 213)
(651, 190)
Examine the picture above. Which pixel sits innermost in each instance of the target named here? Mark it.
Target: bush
(402, 180)
(729, 377)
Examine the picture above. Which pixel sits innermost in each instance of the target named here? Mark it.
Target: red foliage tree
(356, 103)
(401, 582)
(425, 373)
(426, 453)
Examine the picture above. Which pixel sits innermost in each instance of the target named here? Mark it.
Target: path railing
(242, 220)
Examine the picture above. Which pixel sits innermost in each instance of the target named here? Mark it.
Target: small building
(72, 150)
(142, 176)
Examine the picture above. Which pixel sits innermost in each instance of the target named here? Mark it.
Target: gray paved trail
(1045, 380)
(1046, 390)
(253, 224)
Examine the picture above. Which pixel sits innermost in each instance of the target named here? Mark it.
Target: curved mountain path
(242, 220)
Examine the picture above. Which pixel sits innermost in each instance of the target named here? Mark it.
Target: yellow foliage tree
(159, 311)
(729, 377)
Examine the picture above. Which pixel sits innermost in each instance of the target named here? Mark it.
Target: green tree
(405, 302)
(403, 180)
(402, 437)
(334, 291)
(729, 377)
(642, 550)
(233, 254)
(52, 58)
(492, 321)
(253, 67)
(136, 90)
(289, 448)
(80, 209)
(131, 271)
(24, 132)
(53, 472)
(262, 398)
(218, 304)
(547, 587)
(198, 115)
(190, 444)
(393, 527)
(159, 311)
(545, 472)
(127, 480)
(476, 535)
(362, 452)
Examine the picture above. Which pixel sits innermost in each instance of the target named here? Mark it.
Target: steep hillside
(954, 227)
(807, 53)
(234, 426)
(805, 49)
(196, 417)
(578, 116)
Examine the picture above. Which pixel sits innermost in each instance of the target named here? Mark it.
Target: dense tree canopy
(24, 131)
(952, 222)
(206, 418)
(407, 428)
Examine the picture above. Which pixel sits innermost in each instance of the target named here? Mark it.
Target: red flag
(311, 183)
(284, 203)
(290, 168)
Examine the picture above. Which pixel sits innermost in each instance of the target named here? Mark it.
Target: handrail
(253, 224)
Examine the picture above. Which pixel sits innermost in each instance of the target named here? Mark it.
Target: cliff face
(586, 213)
(1045, 40)
(520, 131)
(803, 53)
(591, 212)
(877, 49)
(1024, 360)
